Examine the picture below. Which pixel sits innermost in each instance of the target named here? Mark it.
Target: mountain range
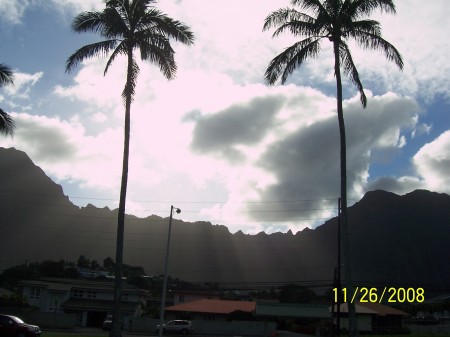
(400, 241)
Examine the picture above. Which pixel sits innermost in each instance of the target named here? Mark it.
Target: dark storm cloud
(306, 164)
(240, 124)
(45, 139)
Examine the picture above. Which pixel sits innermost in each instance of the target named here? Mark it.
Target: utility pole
(166, 263)
(339, 289)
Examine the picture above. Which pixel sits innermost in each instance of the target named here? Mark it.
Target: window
(77, 293)
(35, 293)
(124, 297)
(91, 294)
(54, 305)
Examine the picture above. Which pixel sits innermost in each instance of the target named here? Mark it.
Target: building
(89, 300)
(374, 317)
(303, 317)
(183, 296)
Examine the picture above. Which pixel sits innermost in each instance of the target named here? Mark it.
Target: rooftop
(214, 306)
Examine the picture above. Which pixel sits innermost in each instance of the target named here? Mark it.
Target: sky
(216, 141)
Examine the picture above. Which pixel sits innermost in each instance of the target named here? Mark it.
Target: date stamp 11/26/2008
(378, 295)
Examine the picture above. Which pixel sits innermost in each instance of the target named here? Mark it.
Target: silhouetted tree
(7, 125)
(126, 26)
(292, 293)
(52, 268)
(108, 263)
(95, 264)
(83, 262)
(335, 21)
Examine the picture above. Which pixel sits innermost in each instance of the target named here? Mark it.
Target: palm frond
(157, 22)
(283, 16)
(157, 50)
(7, 125)
(300, 28)
(121, 49)
(312, 5)
(351, 71)
(369, 26)
(96, 49)
(6, 75)
(290, 59)
(360, 8)
(89, 22)
(368, 40)
(117, 24)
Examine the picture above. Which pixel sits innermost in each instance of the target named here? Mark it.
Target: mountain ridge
(395, 240)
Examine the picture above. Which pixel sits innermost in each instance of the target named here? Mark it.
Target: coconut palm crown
(336, 22)
(128, 27)
(7, 124)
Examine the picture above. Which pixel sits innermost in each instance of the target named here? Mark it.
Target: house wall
(45, 300)
(364, 322)
(184, 298)
(196, 316)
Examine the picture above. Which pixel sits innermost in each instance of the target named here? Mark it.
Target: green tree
(108, 264)
(337, 22)
(83, 262)
(52, 268)
(7, 124)
(127, 26)
(292, 293)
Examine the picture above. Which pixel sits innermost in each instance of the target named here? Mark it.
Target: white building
(90, 300)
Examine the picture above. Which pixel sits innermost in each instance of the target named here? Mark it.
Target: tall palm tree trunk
(353, 328)
(117, 320)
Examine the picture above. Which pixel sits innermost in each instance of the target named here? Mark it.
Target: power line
(171, 201)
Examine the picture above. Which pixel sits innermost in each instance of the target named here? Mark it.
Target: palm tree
(334, 21)
(7, 125)
(127, 26)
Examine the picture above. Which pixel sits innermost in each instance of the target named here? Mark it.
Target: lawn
(69, 334)
(411, 335)
(78, 334)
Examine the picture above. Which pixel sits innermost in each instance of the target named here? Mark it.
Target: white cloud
(13, 10)
(430, 166)
(78, 5)
(91, 86)
(424, 46)
(432, 162)
(63, 150)
(23, 83)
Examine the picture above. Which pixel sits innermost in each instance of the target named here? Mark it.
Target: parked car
(12, 326)
(177, 326)
(107, 323)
